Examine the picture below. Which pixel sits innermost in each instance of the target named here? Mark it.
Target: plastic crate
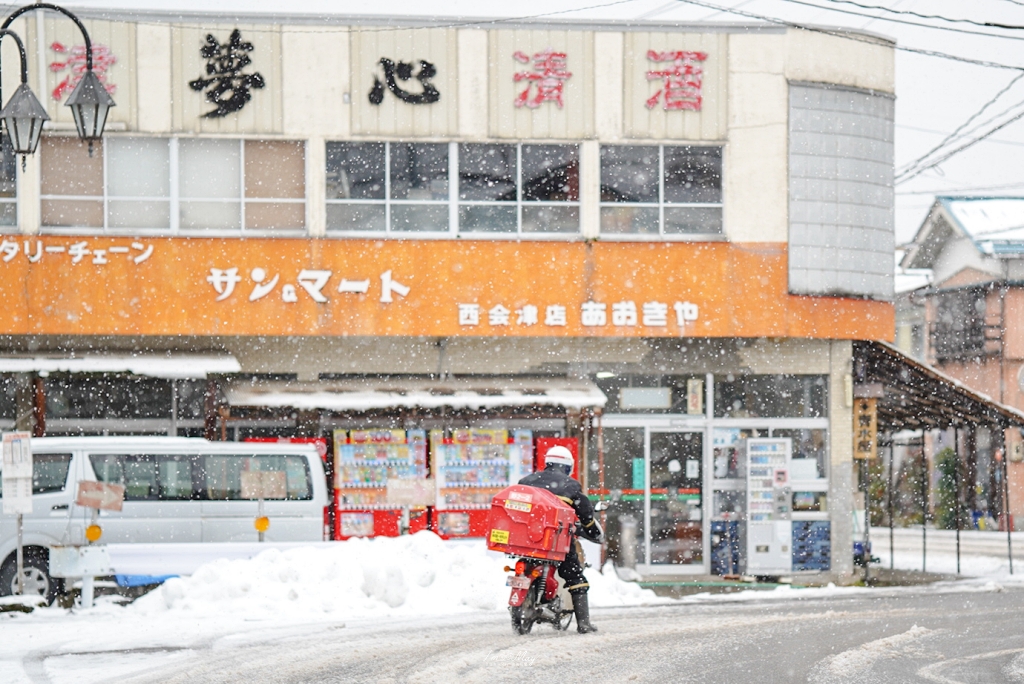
(531, 522)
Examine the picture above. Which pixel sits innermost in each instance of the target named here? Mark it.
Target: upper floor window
(8, 184)
(445, 189)
(667, 190)
(161, 185)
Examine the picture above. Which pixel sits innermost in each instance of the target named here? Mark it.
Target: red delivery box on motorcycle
(531, 522)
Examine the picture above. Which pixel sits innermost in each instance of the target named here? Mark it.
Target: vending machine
(769, 507)
(469, 468)
(364, 461)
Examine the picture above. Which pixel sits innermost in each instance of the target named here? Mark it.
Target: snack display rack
(364, 460)
(469, 468)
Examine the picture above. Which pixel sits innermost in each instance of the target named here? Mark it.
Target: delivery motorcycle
(538, 595)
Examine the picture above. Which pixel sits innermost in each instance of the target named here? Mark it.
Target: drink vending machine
(769, 507)
(364, 461)
(469, 468)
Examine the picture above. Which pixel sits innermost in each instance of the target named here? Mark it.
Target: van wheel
(35, 573)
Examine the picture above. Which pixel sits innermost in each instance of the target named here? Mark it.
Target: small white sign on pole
(17, 473)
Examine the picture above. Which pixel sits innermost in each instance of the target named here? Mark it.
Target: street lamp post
(89, 101)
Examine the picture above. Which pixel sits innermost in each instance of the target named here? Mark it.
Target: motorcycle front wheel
(525, 615)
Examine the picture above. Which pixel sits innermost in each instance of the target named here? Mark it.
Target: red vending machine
(469, 468)
(364, 460)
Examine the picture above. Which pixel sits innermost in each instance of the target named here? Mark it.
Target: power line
(960, 149)
(849, 36)
(943, 191)
(961, 127)
(987, 24)
(900, 21)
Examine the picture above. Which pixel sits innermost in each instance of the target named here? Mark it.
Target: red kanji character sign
(681, 82)
(102, 59)
(549, 75)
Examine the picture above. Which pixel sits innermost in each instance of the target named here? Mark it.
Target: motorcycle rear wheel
(525, 615)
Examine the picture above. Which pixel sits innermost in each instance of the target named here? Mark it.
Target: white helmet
(558, 455)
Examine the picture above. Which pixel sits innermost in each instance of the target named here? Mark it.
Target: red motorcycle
(538, 595)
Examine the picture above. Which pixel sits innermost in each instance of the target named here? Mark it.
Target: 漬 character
(549, 75)
(74, 62)
(228, 86)
(403, 72)
(681, 82)
(223, 281)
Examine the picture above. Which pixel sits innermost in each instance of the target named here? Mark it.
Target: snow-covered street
(420, 609)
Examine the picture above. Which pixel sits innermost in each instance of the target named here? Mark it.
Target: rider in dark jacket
(556, 478)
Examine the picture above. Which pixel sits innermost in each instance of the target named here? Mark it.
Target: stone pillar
(842, 482)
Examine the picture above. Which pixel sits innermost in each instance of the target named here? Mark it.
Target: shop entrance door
(673, 498)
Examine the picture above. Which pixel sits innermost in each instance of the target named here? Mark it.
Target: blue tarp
(141, 580)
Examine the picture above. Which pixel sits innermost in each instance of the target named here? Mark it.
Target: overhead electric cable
(960, 149)
(848, 36)
(988, 24)
(961, 127)
(902, 21)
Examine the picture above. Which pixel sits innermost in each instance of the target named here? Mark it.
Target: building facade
(658, 240)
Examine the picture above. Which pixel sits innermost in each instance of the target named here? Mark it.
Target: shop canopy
(167, 366)
(385, 393)
(914, 396)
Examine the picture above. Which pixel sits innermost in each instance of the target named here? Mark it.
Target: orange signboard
(213, 286)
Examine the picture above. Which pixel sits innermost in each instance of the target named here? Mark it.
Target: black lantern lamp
(90, 102)
(24, 115)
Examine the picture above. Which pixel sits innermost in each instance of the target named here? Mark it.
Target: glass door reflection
(674, 498)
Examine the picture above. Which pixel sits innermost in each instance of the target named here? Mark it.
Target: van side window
(146, 477)
(50, 472)
(222, 475)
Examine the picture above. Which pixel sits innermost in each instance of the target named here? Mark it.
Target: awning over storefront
(167, 366)
(912, 395)
(458, 393)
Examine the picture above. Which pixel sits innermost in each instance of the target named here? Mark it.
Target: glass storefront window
(771, 396)
(631, 393)
(810, 453)
(624, 480)
(107, 397)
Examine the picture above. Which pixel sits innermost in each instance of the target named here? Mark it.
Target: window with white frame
(402, 188)
(172, 185)
(8, 184)
(666, 190)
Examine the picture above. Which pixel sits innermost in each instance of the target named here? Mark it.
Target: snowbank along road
(953, 634)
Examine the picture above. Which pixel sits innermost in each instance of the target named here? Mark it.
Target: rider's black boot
(582, 610)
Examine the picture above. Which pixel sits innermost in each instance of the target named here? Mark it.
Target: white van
(176, 490)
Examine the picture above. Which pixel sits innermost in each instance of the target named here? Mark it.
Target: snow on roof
(365, 395)
(995, 224)
(170, 367)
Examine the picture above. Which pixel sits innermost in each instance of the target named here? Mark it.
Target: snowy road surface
(947, 634)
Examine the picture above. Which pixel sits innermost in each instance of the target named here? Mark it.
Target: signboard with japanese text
(210, 286)
(17, 473)
(264, 485)
(865, 429)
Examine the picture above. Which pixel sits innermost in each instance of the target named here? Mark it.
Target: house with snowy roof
(974, 315)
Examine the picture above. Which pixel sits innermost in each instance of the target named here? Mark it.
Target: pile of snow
(402, 577)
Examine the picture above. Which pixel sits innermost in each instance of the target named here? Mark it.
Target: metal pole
(1006, 507)
(21, 560)
(259, 514)
(956, 490)
(924, 512)
(888, 488)
(865, 470)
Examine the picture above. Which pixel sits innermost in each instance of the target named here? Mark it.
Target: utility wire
(905, 22)
(986, 24)
(960, 149)
(945, 141)
(849, 36)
